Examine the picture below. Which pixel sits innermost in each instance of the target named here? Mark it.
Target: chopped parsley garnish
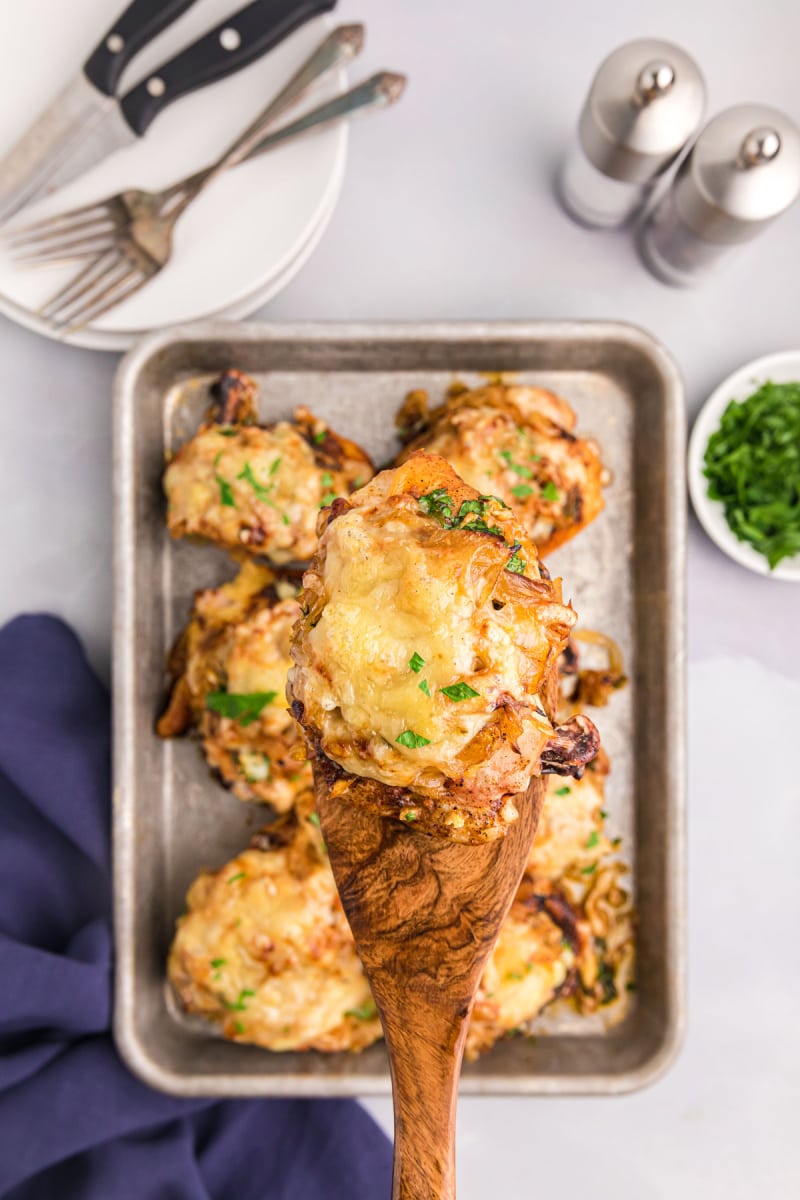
(416, 662)
(752, 464)
(261, 492)
(216, 963)
(327, 499)
(314, 819)
(522, 490)
(409, 816)
(225, 492)
(326, 479)
(217, 457)
(563, 791)
(364, 1012)
(320, 437)
(423, 687)
(285, 518)
(413, 740)
(589, 870)
(514, 975)
(243, 707)
(603, 813)
(592, 840)
(480, 526)
(226, 431)
(616, 842)
(459, 691)
(550, 491)
(516, 564)
(235, 878)
(238, 1004)
(238, 1026)
(518, 468)
(274, 467)
(439, 504)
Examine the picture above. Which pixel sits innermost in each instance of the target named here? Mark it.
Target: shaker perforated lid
(743, 171)
(645, 102)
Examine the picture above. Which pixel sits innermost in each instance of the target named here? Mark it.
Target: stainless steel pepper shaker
(645, 102)
(742, 173)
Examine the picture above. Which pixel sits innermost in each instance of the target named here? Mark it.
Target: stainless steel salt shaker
(645, 102)
(742, 173)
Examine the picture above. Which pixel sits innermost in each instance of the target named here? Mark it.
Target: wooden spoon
(425, 913)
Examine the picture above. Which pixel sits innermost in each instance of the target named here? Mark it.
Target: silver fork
(128, 238)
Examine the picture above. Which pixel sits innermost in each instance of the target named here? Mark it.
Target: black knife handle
(139, 24)
(240, 40)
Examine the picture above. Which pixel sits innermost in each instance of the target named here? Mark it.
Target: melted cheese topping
(266, 951)
(516, 442)
(396, 601)
(257, 488)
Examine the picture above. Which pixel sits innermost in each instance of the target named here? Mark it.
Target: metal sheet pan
(625, 573)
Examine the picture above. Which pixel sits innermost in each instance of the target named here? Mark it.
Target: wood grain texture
(425, 913)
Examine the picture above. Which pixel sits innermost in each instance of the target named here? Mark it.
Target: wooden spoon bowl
(425, 913)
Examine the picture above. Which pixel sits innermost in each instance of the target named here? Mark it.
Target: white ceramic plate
(777, 368)
(244, 237)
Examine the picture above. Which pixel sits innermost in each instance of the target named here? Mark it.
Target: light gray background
(447, 212)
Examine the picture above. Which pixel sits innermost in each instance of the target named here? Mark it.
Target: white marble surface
(447, 212)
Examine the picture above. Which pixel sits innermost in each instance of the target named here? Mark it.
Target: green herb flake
(516, 565)
(589, 870)
(550, 491)
(410, 816)
(326, 479)
(244, 707)
(226, 431)
(416, 663)
(423, 687)
(364, 1012)
(459, 691)
(521, 491)
(752, 464)
(225, 492)
(275, 466)
(239, 875)
(603, 814)
(616, 842)
(413, 740)
(238, 1026)
(518, 468)
(438, 504)
(592, 840)
(285, 518)
(563, 791)
(314, 819)
(515, 975)
(327, 499)
(217, 457)
(319, 438)
(260, 490)
(238, 1005)
(566, 944)
(216, 963)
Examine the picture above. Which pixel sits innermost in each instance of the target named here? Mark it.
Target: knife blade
(231, 45)
(26, 169)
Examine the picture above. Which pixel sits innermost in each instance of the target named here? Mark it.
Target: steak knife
(87, 122)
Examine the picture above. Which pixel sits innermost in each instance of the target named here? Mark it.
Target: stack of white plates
(243, 239)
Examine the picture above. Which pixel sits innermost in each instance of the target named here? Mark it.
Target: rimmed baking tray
(625, 573)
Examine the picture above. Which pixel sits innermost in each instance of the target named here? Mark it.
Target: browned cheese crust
(515, 442)
(257, 489)
(229, 671)
(264, 949)
(428, 642)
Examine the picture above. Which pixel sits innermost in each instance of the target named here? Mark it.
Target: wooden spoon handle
(425, 1071)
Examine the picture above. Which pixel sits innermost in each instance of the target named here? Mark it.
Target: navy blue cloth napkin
(74, 1123)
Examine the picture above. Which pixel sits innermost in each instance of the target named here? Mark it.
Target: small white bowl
(775, 368)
